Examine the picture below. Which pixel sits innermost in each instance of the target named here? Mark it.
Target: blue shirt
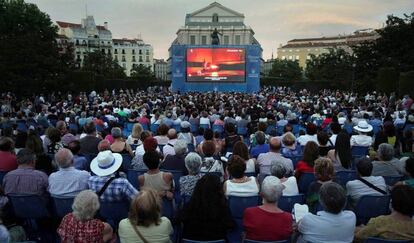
(68, 182)
(118, 190)
(259, 149)
(80, 162)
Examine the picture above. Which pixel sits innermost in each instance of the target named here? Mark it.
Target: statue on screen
(215, 37)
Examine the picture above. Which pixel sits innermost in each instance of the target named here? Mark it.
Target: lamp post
(353, 77)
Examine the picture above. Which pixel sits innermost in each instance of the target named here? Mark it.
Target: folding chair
(344, 176)
(305, 180)
(286, 203)
(132, 176)
(114, 212)
(371, 206)
(62, 205)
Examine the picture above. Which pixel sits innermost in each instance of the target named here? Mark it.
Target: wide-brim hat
(106, 163)
(363, 126)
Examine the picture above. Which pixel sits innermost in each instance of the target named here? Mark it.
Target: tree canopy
(286, 70)
(102, 64)
(141, 70)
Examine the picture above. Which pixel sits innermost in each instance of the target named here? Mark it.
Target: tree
(102, 64)
(28, 53)
(286, 70)
(334, 66)
(141, 71)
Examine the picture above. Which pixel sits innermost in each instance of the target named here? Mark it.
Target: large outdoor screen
(216, 64)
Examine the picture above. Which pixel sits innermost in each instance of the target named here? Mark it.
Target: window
(237, 39)
(109, 51)
(308, 57)
(203, 40)
(215, 18)
(297, 57)
(192, 39)
(226, 40)
(77, 42)
(123, 51)
(133, 51)
(116, 58)
(123, 58)
(133, 59)
(78, 57)
(283, 57)
(140, 51)
(147, 52)
(116, 51)
(140, 59)
(147, 59)
(103, 51)
(290, 57)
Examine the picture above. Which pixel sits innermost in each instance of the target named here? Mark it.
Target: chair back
(295, 159)
(28, 206)
(167, 208)
(305, 180)
(391, 180)
(286, 203)
(190, 147)
(257, 241)
(242, 131)
(177, 127)
(344, 176)
(145, 126)
(114, 212)
(370, 206)
(378, 240)
(359, 151)
(197, 241)
(348, 128)
(237, 205)
(62, 205)
(132, 176)
(126, 161)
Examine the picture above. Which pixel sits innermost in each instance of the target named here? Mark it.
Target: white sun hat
(106, 163)
(363, 126)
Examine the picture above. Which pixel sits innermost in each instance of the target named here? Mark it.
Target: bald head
(64, 158)
(275, 144)
(172, 134)
(104, 145)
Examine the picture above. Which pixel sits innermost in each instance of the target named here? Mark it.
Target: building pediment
(215, 8)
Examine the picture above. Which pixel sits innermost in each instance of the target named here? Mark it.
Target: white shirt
(361, 140)
(291, 187)
(250, 166)
(306, 138)
(245, 189)
(168, 149)
(356, 189)
(68, 182)
(327, 227)
(204, 121)
(333, 139)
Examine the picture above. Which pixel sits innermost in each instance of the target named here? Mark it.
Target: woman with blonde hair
(144, 223)
(134, 138)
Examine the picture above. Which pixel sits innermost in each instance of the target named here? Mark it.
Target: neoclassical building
(200, 24)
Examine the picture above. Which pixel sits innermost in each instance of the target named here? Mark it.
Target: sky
(273, 21)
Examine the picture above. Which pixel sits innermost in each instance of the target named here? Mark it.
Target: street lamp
(353, 77)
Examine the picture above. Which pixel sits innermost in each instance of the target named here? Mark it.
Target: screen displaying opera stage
(216, 64)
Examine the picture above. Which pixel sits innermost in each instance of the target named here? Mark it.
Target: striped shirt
(26, 181)
(118, 190)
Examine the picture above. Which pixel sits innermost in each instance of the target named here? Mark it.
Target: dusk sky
(274, 21)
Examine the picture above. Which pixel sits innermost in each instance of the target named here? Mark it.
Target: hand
(169, 195)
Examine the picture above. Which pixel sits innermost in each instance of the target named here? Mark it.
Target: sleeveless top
(245, 189)
(156, 182)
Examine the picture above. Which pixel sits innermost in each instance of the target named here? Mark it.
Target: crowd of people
(86, 146)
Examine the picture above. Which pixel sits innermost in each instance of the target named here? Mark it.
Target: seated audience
(230, 138)
(333, 224)
(324, 143)
(7, 155)
(341, 155)
(310, 154)
(135, 136)
(290, 147)
(161, 182)
(119, 145)
(68, 181)
(185, 133)
(79, 161)
(25, 179)
(210, 164)
(242, 150)
(176, 161)
(289, 182)
(240, 185)
(81, 225)
(207, 216)
(144, 222)
(366, 184)
(409, 168)
(149, 144)
(324, 173)
(399, 225)
(188, 182)
(43, 161)
(168, 149)
(309, 136)
(162, 134)
(362, 139)
(106, 167)
(387, 164)
(261, 145)
(264, 160)
(268, 222)
(89, 143)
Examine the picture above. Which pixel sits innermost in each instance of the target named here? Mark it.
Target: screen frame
(216, 47)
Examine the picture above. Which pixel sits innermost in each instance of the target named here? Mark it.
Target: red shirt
(8, 161)
(76, 231)
(302, 167)
(266, 226)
